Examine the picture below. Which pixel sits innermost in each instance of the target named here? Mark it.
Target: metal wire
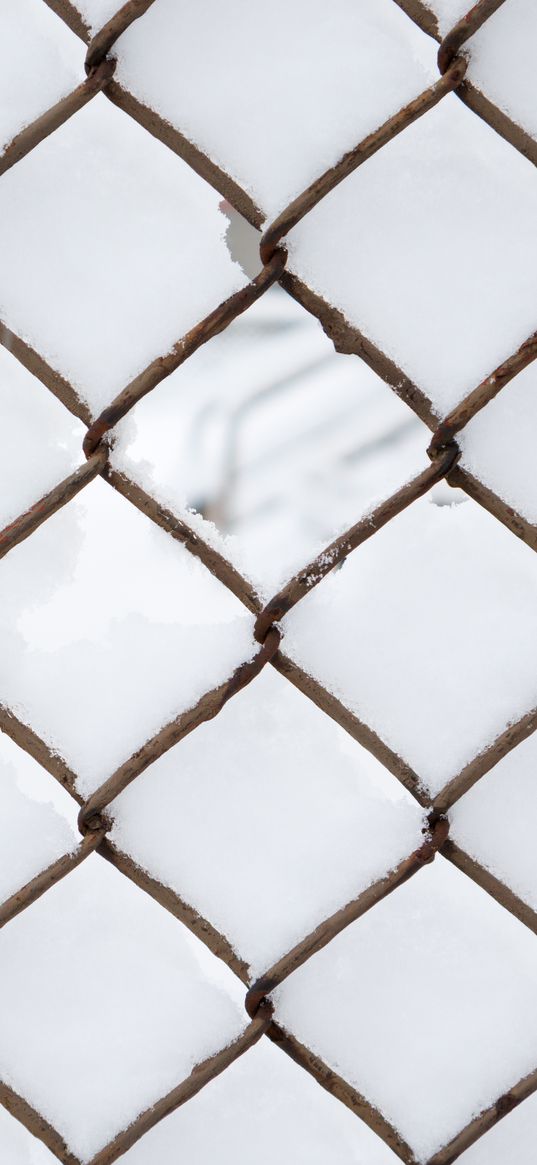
(96, 815)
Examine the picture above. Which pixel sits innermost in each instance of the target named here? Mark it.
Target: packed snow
(110, 629)
(275, 103)
(422, 247)
(135, 240)
(428, 633)
(426, 1005)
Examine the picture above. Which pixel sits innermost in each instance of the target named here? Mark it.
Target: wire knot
(256, 997)
(270, 247)
(91, 822)
(444, 450)
(436, 834)
(96, 437)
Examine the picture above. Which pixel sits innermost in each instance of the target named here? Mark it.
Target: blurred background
(271, 435)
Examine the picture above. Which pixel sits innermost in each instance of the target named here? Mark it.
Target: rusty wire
(96, 814)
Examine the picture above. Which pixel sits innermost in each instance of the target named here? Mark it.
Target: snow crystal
(427, 1005)
(428, 633)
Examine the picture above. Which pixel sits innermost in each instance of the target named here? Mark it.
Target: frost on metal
(304, 748)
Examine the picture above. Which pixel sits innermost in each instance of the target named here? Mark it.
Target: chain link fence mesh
(95, 816)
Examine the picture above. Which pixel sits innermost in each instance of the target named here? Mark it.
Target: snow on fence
(423, 1020)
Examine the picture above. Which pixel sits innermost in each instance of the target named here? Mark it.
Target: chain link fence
(443, 453)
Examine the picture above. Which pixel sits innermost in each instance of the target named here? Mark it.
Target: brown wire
(464, 29)
(350, 161)
(30, 137)
(338, 550)
(43, 881)
(212, 325)
(444, 452)
(63, 493)
(107, 36)
(207, 707)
